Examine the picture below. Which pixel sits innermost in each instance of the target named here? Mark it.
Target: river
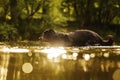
(60, 63)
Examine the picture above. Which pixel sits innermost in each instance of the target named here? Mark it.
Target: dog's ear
(51, 30)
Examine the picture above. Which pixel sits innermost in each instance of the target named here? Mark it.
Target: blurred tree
(30, 17)
(4, 10)
(95, 12)
(8, 32)
(52, 15)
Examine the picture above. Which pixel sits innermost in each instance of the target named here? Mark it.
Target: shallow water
(60, 63)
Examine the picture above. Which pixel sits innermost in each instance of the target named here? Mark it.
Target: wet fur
(77, 38)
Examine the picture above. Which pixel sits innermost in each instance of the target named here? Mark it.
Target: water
(60, 63)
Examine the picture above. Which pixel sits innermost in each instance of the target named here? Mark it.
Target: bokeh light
(75, 54)
(116, 75)
(27, 68)
(92, 55)
(106, 55)
(64, 56)
(86, 57)
(30, 54)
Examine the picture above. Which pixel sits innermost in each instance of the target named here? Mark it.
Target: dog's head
(49, 35)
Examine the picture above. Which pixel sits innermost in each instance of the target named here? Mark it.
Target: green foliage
(8, 32)
(56, 15)
(116, 20)
(29, 18)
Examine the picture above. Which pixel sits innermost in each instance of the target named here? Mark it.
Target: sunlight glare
(3, 73)
(54, 52)
(3, 70)
(14, 50)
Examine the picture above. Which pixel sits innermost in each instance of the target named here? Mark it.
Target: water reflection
(27, 68)
(69, 63)
(86, 57)
(4, 66)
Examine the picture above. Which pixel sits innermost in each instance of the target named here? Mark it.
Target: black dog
(77, 38)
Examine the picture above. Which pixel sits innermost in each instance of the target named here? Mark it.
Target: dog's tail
(108, 42)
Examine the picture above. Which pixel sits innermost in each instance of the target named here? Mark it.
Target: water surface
(60, 63)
